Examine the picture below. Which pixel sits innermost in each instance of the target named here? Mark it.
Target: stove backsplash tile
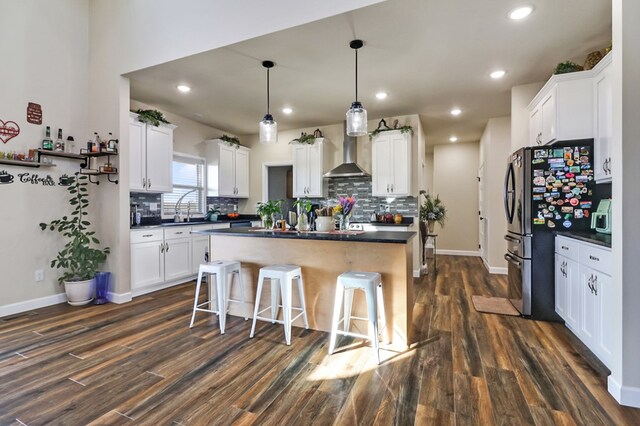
(367, 204)
(225, 205)
(148, 204)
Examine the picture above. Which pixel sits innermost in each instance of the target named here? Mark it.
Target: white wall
(521, 96)
(455, 180)
(495, 146)
(624, 382)
(45, 49)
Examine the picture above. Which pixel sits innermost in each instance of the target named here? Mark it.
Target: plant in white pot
(79, 259)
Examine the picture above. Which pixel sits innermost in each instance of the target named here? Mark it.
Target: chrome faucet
(177, 217)
(189, 211)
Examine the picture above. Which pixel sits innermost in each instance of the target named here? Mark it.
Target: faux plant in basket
(81, 257)
(432, 210)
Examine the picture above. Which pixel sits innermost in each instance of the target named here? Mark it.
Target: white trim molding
(625, 395)
(119, 297)
(416, 273)
(29, 305)
(494, 269)
(459, 252)
(265, 175)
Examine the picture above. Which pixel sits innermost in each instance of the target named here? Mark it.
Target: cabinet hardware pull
(178, 233)
(565, 248)
(144, 182)
(149, 183)
(147, 235)
(166, 247)
(391, 187)
(387, 187)
(594, 258)
(162, 248)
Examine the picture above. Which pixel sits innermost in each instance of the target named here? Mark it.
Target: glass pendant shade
(268, 130)
(356, 120)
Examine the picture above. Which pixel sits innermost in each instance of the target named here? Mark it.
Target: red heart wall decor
(8, 130)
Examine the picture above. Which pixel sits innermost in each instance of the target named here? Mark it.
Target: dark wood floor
(139, 363)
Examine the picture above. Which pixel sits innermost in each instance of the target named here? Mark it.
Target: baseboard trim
(416, 273)
(459, 253)
(625, 395)
(29, 305)
(119, 298)
(494, 269)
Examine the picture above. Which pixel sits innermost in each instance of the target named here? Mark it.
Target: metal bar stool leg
(337, 306)
(383, 315)
(275, 298)
(195, 301)
(247, 308)
(302, 302)
(257, 305)
(372, 311)
(221, 289)
(286, 308)
(348, 306)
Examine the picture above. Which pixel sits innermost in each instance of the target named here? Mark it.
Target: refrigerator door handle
(512, 259)
(512, 239)
(509, 178)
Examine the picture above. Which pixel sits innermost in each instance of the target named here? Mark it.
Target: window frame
(203, 162)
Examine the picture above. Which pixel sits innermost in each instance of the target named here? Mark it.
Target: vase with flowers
(342, 212)
(431, 211)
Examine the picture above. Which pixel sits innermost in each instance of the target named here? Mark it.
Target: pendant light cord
(267, 90)
(356, 75)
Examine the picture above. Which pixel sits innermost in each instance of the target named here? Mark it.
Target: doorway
(278, 184)
(482, 220)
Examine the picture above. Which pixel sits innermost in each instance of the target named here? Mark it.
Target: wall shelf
(34, 164)
(61, 154)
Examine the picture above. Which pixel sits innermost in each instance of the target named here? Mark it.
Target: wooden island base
(321, 263)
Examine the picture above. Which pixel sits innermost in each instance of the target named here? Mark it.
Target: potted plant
(266, 211)
(431, 211)
(79, 259)
(212, 214)
(304, 208)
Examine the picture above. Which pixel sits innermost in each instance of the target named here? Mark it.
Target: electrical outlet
(39, 275)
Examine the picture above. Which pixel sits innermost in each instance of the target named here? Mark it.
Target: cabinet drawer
(177, 232)
(568, 247)
(146, 236)
(596, 258)
(201, 227)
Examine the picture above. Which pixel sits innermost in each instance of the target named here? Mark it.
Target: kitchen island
(322, 257)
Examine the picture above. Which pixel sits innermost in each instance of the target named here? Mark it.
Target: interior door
(226, 182)
(242, 173)
(159, 159)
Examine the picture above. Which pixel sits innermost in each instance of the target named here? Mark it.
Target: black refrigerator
(546, 190)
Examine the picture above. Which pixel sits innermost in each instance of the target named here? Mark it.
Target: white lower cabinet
(164, 257)
(584, 296)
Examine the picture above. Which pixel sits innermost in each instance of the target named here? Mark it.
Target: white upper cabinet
(562, 110)
(603, 93)
(308, 169)
(227, 169)
(391, 164)
(151, 156)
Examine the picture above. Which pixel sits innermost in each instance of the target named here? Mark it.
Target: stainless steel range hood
(349, 167)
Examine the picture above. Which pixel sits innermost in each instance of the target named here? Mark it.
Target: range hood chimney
(348, 168)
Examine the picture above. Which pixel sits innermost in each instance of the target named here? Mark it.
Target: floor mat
(494, 305)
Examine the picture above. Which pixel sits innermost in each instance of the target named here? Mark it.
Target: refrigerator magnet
(540, 153)
(585, 204)
(567, 224)
(539, 181)
(551, 179)
(574, 169)
(584, 150)
(567, 209)
(556, 161)
(586, 213)
(549, 199)
(537, 221)
(560, 202)
(537, 197)
(569, 175)
(539, 190)
(569, 163)
(585, 166)
(538, 172)
(584, 159)
(574, 202)
(550, 224)
(558, 217)
(578, 213)
(537, 161)
(568, 152)
(558, 153)
(552, 208)
(568, 216)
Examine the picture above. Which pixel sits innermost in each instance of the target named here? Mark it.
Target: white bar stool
(221, 269)
(371, 283)
(281, 276)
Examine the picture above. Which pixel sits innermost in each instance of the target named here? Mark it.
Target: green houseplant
(151, 116)
(79, 259)
(266, 211)
(432, 210)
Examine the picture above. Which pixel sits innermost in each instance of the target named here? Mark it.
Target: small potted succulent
(212, 214)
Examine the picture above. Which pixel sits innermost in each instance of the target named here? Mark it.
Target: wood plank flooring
(139, 363)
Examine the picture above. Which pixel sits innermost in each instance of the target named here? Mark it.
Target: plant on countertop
(432, 209)
(266, 211)
(79, 260)
(304, 204)
(151, 116)
(212, 214)
(231, 141)
(403, 129)
(567, 67)
(304, 139)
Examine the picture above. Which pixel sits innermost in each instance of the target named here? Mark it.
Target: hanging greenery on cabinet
(151, 116)
(231, 141)
(305, 139)
(382, 127)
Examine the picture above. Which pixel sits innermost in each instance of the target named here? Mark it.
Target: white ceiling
(429, 55)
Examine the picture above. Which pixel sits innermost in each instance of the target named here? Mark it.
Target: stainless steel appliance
(546, 190)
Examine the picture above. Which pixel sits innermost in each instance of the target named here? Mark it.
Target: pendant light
(356, 115)
(268, 126)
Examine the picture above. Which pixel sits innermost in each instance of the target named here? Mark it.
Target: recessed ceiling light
(381, 95)
(497, 74)
(453, 139)
(287, 110)
(456, 111)
(184, 88)
(520, 12)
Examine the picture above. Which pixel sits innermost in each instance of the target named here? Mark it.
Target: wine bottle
(59, 145)
(47, 143)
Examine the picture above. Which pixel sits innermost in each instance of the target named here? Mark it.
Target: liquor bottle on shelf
(59, 145)
(112, 143)
(70, 145)
(95, 143)
(47, 143)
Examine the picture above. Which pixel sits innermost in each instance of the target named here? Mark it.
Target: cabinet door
(226, 172)
(147, 264)
(315, 162)
(242, 173)
(159, 150)
(590, 308)
(605, 329)
(199, 252)
(137, 157)
(573, 304)
(603, 126)
(548, 107)
(381, 167)
(177, 259)
(561, 289)
(535, 128)
(400, 151)
(300, 170)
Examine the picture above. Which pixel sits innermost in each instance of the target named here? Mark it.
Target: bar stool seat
(371, 284)
(221, 269)
(281, 278)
